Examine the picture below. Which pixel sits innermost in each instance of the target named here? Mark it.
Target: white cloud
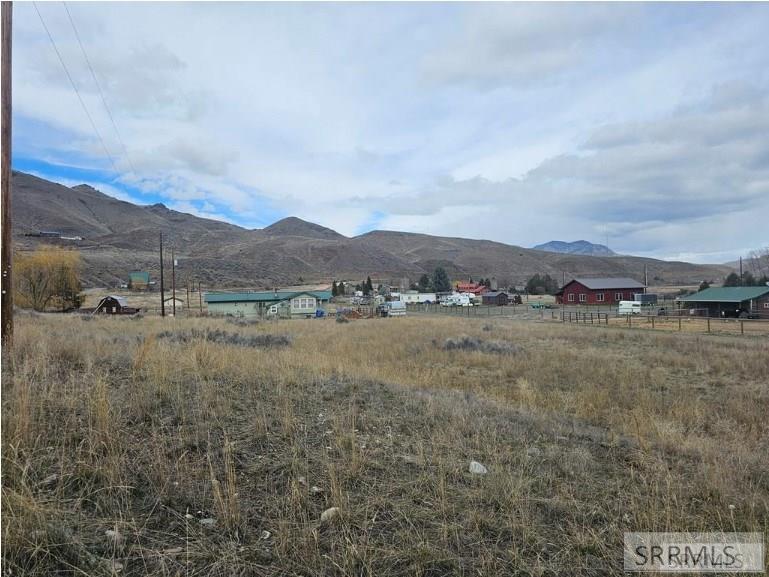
(517, 122)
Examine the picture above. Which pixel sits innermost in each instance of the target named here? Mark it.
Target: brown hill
(293, 226)
(515, 264)
(119, 237)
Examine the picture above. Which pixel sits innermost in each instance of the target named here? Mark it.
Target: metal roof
(263, 296)
(139, 275)
(609, 283)
(120, 300)
(732, 294)
(494, 293)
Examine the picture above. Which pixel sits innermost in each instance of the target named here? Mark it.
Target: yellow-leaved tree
(47, 278)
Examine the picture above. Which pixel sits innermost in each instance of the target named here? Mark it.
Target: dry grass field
(149, 446)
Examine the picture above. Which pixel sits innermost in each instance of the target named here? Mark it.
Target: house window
(766, 305)
(303, 303)
(617, 296)
(582, 297)
(571, 297)
(599, 297)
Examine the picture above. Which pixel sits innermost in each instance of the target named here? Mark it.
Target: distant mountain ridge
(576, 247)
(119, 237)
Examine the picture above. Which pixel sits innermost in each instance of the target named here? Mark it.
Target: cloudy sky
(647, 124)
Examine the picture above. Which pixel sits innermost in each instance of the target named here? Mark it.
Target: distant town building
(171, 301)
(476, 289)
(114, 305)
(495, 298)
(138, 280)
(414, 297)
(741, 301)
(284, 304)
(598, 291)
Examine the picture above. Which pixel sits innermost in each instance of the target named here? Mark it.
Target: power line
(101, 92)
(74, 87)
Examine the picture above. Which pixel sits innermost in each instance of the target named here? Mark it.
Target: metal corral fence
(509, 310)
(669, 322)
(605, 316)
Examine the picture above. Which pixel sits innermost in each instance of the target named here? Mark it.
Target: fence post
(742, 327)
(630, 320)
(679, 322)
(708, 324)
(652, 322)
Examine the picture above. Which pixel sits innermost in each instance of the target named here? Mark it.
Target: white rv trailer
(629, 308)
(413, 297)
(457, 300)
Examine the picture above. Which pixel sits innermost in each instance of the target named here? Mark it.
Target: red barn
(598, 291)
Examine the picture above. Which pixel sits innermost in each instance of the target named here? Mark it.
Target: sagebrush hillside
(120, 237)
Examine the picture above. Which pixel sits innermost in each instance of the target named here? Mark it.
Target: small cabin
(495, 298)
(114, 305)
(176, 302)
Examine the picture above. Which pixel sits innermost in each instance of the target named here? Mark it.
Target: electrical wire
(74, 87)
(98, 86)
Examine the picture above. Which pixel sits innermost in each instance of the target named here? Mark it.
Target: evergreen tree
(334, 290)
(369, 286)
(748, 279)
(732, 280)
(441, 282)
(340, 289)
(424, 284)
(541, 284)
(704, 285)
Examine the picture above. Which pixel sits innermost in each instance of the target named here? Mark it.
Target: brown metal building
(498, 298)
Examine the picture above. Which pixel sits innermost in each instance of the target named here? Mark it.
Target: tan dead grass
(586, 434)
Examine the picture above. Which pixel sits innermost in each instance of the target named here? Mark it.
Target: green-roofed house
(138, 280)
(284, 304)
(739, 301)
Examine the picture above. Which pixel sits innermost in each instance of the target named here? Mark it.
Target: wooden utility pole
(162, 290)
(5, 176)
(740, 271)
(188, 294)
(200, 298)
(173, 282)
